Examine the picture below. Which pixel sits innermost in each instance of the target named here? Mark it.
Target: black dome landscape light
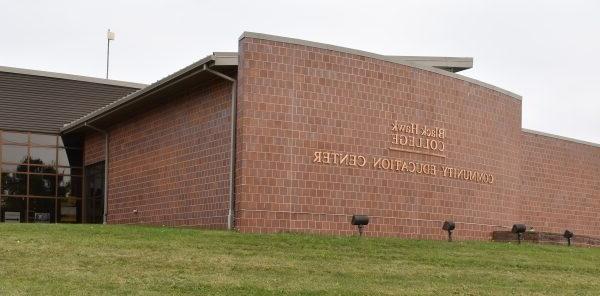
(449, 226)
(360, 221)
(519, 229)
(568, 235)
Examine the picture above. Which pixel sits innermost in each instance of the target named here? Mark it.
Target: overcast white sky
(546, 51)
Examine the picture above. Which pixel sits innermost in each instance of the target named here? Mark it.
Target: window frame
(55, 170)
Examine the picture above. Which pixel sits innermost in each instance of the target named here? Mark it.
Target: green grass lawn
(37, 259)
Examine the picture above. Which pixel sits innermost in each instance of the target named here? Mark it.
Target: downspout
(230, 214)
(105, 212)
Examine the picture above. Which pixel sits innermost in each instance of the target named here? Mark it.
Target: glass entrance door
(94, 200)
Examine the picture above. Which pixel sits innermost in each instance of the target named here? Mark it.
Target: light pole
(109, 37)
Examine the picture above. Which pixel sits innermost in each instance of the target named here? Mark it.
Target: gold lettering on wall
(339, 159)
(415, 138)
(401, 166)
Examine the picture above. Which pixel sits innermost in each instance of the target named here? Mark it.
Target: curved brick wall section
(561, 185)
(296, 100)
(171, 163)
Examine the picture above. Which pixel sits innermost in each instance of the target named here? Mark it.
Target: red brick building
(291, 135)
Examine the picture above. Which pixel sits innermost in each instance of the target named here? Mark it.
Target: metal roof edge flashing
(452, 64)
(376, 56)
(225, 58)
(560, 137)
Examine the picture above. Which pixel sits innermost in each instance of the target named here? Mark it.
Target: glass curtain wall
(40, 179)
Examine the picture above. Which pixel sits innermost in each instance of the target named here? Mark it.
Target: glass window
(14, 138)
(13, 209)
(69, 186)
(14, 154)
(42, 210)
(71, 142)
(31, 178)
(69, 210)
(13, 168)
(42, 169)
(43, 140)
(42, 185)
(77, 171)
(13, 184)
(70, 171)
(70, 157)
(43, 156)
(76, 186)
(64, 171)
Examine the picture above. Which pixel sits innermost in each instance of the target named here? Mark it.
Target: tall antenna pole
(109, 37)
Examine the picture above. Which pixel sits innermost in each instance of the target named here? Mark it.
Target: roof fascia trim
(560, 137)
(376, 56)
(461, 63)
(71, 77)
(225, 58)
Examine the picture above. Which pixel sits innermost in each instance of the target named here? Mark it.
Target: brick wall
(170, 163)
(94, 148)
(298, 103)
(560, 185)
(295, 100)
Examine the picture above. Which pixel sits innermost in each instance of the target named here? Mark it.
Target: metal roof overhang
(451, 64)
(156, 93)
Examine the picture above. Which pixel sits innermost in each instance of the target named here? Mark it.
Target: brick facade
(171, 163)
(298, 103)
(560, 185)
(295, 100)
(94, 148)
